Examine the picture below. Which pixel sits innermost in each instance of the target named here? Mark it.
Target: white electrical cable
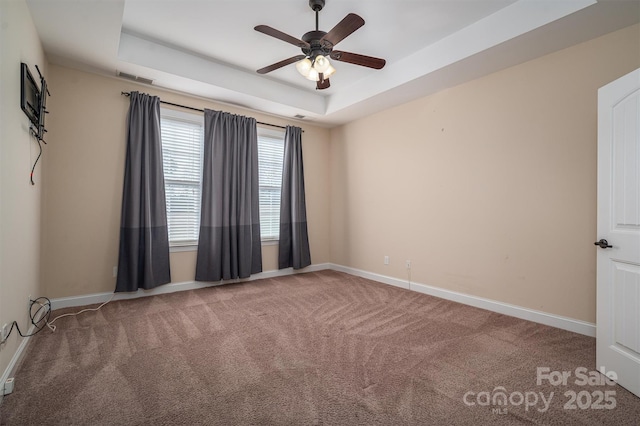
(53, 327)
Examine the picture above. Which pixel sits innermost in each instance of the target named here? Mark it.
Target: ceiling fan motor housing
(316, 5)
(317, 46)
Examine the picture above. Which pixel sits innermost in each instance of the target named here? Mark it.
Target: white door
(618, 281)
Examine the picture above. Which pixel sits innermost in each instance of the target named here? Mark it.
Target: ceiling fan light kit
(304, 66)
(317, 48)
(313, 75)
(321, 63)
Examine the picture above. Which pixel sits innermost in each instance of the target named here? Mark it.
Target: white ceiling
(209, 48)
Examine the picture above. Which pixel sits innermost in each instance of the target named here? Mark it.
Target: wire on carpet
(40, 317)
(73, 314)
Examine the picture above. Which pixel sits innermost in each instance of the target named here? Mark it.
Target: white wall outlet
(408, 264)
(115, 271)
(386, 260)
(8, 386)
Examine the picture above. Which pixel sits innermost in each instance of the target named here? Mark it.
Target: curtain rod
(201, 110)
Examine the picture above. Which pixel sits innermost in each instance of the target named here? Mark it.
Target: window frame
(274, 134)
(192, 118)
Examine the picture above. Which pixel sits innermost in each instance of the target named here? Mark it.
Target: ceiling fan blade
(348, 25)
(356, 59)
(280, 64)
(323, 84)
(281, 36)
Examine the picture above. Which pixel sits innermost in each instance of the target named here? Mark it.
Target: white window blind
(182, 142)
(270, 157)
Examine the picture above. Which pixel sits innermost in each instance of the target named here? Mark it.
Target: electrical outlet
(408, 264)
(8, 386)
(386, 260)
(115, 271)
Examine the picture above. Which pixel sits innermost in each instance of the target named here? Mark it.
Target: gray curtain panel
(143, 261)
(229, 244)
(294, 238)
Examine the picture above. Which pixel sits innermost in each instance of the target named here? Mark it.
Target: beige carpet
(317, 348)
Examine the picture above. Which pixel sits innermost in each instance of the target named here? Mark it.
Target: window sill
(194, 247)
(177, 249)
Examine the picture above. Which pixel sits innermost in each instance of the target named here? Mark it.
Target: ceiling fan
(317, 47)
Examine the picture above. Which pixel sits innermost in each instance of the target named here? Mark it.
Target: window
(270, 157)
(182, 142)
(182, 146)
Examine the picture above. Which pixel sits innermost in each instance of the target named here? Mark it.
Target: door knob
(603, 244)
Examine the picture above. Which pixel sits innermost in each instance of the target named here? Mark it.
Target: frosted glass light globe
(304, 66)
(329, 72)
(321, 64)
(313, 75)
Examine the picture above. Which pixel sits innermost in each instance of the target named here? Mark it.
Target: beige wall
(84, 173)
(489, 188)
(19, 200)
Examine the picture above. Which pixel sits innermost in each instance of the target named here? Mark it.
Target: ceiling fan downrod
(316, 6)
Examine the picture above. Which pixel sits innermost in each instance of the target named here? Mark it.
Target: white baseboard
(91, 299)
(564, 323)
(371, 276)
(570, 324)
(17, 356)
